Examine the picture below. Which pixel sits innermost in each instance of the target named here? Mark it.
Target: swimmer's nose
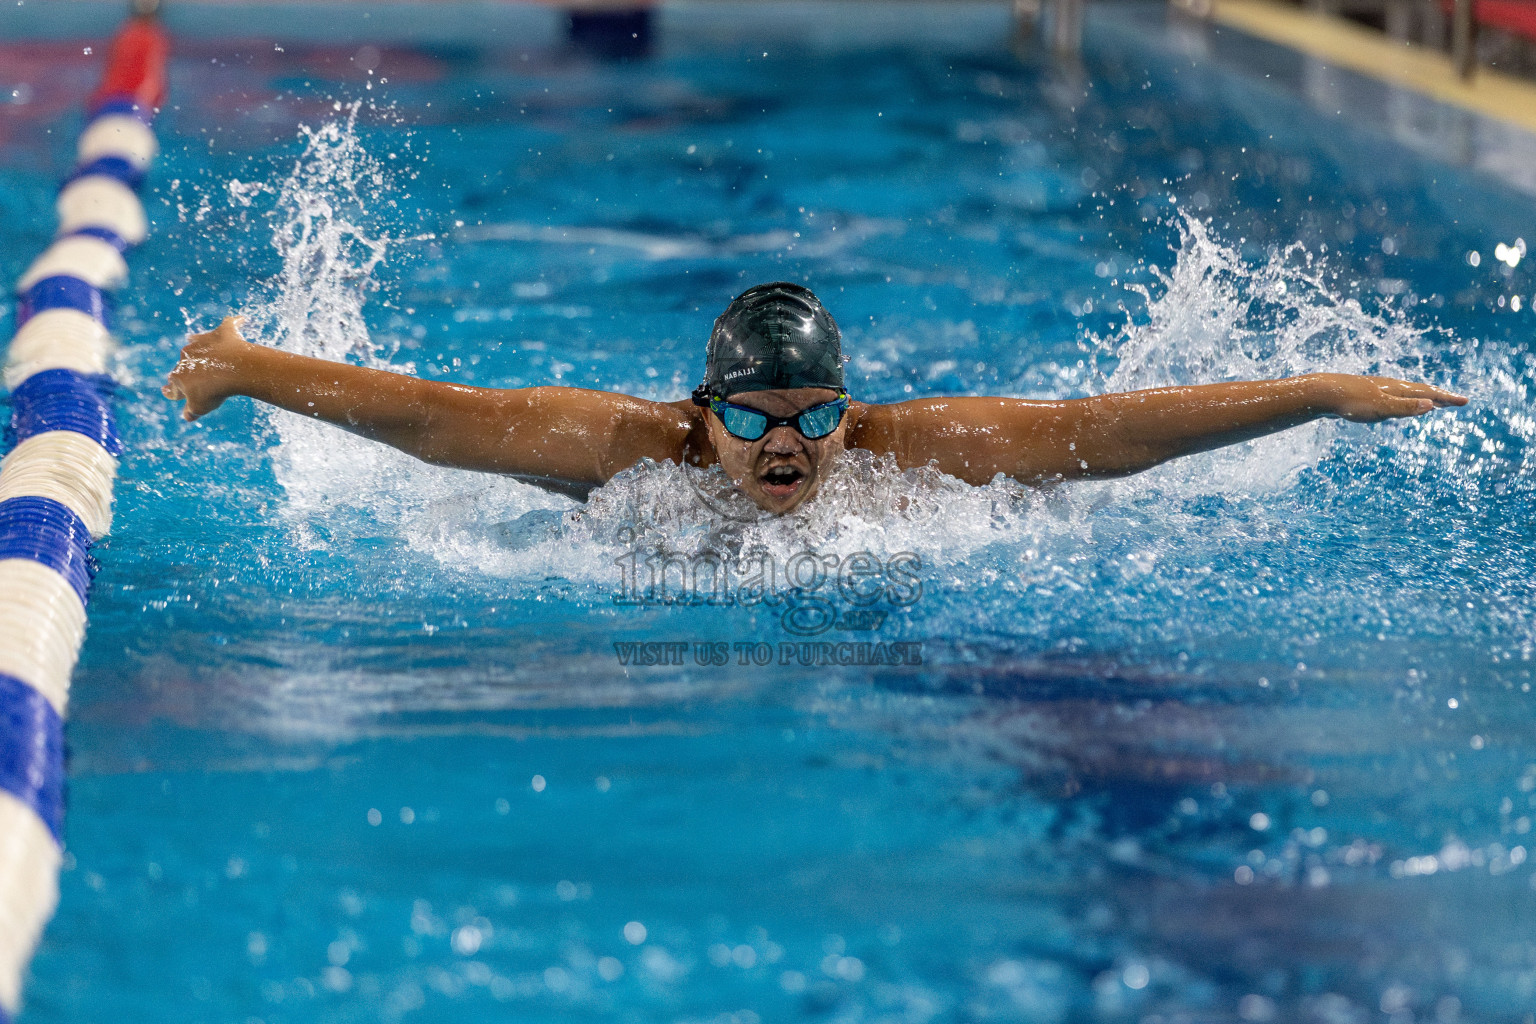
(783, 441)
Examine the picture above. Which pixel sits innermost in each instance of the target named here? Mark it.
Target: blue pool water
(1244, 738)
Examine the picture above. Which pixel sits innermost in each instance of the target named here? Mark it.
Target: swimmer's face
(782, 469)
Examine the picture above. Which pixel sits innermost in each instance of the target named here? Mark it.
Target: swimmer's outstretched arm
(564, 439)
(1117, 434)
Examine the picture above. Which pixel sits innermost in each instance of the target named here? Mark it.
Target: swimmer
(773, 413)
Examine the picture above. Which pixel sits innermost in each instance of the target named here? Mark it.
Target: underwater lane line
(56, 481)
(1407, 65)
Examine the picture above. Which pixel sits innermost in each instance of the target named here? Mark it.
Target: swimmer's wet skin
(773, 413)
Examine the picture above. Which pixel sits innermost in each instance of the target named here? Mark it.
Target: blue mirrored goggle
(751, 424)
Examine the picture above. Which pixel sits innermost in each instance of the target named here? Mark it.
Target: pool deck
(1407, 65)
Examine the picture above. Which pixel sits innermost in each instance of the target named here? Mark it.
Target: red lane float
(135, 66)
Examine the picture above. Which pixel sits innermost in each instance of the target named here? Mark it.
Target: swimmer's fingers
(1414, 389)
(190, 382)
(207, 367)
(1372, 399)
(227, 333)
(229, 328)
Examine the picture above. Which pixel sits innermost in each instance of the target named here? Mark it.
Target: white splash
(1216, 317)
(1211, 317)
(325, 233)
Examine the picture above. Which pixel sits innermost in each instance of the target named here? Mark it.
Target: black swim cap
(772, 337)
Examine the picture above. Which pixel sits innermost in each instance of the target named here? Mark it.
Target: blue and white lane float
(56, 481)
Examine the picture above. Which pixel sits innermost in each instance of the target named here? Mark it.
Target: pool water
(1247, 737)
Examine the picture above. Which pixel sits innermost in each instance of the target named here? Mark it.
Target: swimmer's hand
(209, 370)
(1373, 399)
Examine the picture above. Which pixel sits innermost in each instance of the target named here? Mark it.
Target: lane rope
(56, 480)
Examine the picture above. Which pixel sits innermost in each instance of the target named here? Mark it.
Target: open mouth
(782, 481)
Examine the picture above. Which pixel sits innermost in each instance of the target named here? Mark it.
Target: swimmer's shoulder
(872, 426)
(697, 449)
(909, 430)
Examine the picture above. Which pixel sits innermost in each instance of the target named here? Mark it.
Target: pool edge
(1427, 72)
